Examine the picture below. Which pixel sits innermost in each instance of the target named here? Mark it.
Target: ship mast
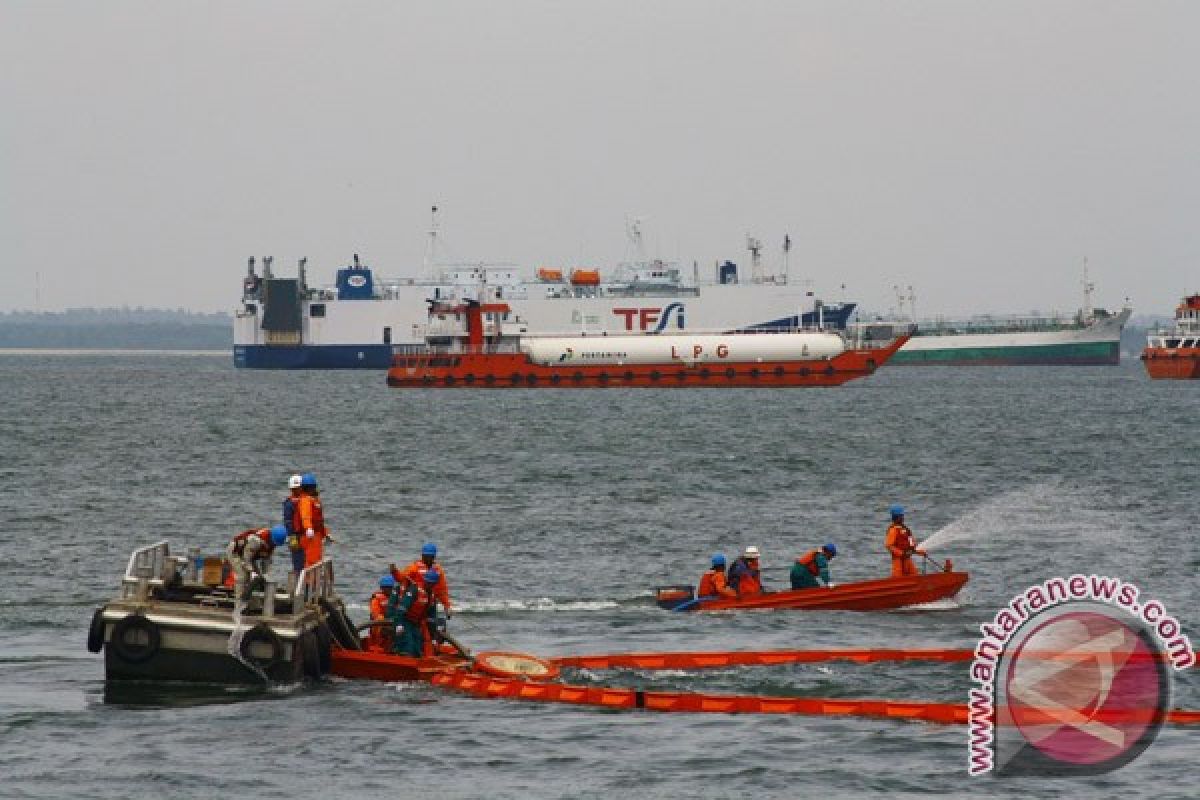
(1087, 311)
(755, 248)
(431, 245)
(787, 248)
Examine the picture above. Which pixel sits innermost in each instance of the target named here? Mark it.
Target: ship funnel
(267, 266)
(357, 265)
(300, 272)
(250, 267)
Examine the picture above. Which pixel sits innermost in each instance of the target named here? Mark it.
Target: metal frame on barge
(169, 623)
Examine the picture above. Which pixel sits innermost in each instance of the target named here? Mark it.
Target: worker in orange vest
(712, 582)
(744, 575)
(309, 521)
(377, 637)
(410, 611)
(416, 570)
(901, 544)
(811, 570)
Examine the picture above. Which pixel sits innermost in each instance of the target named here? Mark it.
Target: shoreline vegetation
(117, 329)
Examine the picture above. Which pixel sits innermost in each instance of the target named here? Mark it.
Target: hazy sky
(975, 150)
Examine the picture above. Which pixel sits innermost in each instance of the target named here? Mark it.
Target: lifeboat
(1175, 354)
(885, 594)
(549, 275)
(480, 345)
(585, 277)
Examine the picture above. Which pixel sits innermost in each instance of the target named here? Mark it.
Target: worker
(410, 611)
(427, 561)
(289, 522)
(901, 544)
(377, 636)
(744, 575)
(309, 521)
(811, 570)
(712, 582)
(249, 554)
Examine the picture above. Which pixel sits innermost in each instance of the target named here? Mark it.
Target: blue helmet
(897, 511)
(279, 535)
(718, 560)
(830, 549)
(308, 480)
(429, 549)
(432, 575)
(387, 582)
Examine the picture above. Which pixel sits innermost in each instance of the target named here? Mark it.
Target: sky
(976, 151)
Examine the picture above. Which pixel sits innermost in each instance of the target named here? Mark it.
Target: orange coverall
(416, 572)
(376, 642)
(901, 544)
(713, 583)
(309, 516)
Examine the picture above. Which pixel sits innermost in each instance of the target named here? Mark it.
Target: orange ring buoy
(521, 666)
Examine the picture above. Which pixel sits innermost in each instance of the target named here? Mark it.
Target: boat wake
(534, 604)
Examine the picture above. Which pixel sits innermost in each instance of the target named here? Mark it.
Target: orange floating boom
(695, 702)
(740, 658)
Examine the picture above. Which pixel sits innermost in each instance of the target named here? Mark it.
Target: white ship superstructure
(361, 321)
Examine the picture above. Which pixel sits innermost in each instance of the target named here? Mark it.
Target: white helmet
(750, 552)
(294, 482)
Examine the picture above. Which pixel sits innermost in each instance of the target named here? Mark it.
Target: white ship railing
(314, 583)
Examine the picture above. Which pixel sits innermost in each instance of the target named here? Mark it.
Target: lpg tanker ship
(283, 323)
(471, 344)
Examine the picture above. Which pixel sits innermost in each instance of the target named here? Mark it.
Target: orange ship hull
(1180, 364)
(515, 370)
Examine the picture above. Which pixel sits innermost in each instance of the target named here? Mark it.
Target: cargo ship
(484, 345)
(283, 323)
(1174, 354)
(1090, 337)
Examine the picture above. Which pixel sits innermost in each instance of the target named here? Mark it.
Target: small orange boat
(885, 594)
(481, 346)
(1175, 354)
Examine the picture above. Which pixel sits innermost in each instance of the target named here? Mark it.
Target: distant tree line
(117, 328)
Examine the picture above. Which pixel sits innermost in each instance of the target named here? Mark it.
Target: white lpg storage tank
(698, 348)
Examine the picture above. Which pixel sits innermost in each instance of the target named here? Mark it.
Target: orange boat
(884, 594)
(482, 345)
(1175, 354)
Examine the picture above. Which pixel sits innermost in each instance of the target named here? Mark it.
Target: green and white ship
(1091, 336)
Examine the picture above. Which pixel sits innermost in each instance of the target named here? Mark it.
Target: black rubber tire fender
(132, 653)
(96, 632)
(343, 631)
(324, 647)
(262, 633)
(310, 654)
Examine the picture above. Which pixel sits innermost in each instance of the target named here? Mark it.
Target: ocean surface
(556, 512)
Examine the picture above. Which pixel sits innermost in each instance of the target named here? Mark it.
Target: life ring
(262, 633)
(96, 632)
(515, 665)
(310, 654)
(126, 641)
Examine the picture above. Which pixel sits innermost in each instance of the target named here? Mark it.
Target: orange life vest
(899, 540)
(239, 541)
(316, 515)
(712, 583)
(419, 609)
(809, 560)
